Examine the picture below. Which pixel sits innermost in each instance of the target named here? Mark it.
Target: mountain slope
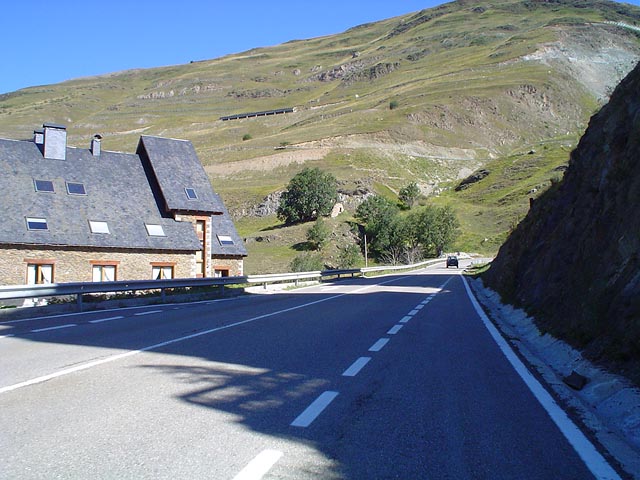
(427, 97)
(574, 261)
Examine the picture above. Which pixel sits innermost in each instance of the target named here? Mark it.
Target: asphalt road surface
(395, 377)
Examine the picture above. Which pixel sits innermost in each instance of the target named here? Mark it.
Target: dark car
(452, 261)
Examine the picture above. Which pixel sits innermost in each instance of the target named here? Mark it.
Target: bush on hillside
(307, 262)
(318, 234)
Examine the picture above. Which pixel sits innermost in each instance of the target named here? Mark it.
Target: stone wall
(76, 264)
(233, 264)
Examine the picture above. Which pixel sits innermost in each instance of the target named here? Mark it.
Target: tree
(375, 207)
(382, 224)
(435, 228)
(309, 195)
(409, 194)
(318, 234)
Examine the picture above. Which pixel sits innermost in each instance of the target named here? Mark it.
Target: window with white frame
(43, 186)
(34, 223)
(225, 239)
(76, 188)
(154, 230)
(162, 272)
(103, 273)
(98, 227)
(39, 273)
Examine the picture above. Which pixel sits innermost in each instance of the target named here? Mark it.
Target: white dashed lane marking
(307, 417)
(356, 366)
(376, 347)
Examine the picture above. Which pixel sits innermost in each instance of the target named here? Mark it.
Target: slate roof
(223, 225)
(118, 192)
(176, 168)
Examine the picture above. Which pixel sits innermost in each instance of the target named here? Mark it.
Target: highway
(394, 377)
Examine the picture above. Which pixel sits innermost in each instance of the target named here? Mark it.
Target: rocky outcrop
(574, 261)
(473, 178)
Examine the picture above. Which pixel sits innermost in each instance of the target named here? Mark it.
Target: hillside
(429, 97)
(574, 261)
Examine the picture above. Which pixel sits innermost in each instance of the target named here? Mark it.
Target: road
(382, 378)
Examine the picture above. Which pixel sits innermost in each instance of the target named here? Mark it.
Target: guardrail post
(163, 296)
(79, 302)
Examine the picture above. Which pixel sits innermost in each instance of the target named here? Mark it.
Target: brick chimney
(55, 141)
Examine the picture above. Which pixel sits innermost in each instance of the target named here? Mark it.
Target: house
(87, 214)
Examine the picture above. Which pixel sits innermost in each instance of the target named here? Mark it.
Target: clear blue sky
(49, 41)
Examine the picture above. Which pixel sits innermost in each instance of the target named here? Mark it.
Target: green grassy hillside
(428, 97)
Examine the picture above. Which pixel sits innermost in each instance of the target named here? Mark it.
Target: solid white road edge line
(259, 466)
(356, 366)
(307, 417)
(594, 461)
(58, 327)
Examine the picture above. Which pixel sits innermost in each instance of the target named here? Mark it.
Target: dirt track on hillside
(269, 162)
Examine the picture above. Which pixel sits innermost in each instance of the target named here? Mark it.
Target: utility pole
(366, 255)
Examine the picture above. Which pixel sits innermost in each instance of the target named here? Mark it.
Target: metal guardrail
(84, 288)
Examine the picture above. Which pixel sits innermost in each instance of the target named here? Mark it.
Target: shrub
(307, 262)
(409, 194)
(318, 234)
(246, 136)
(349, 256)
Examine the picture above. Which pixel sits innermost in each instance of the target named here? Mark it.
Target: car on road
(452, 261)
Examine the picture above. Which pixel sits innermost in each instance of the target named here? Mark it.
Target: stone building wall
(234, 265)
(76, 264)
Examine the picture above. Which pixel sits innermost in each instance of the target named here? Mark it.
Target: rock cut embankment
(574, 261)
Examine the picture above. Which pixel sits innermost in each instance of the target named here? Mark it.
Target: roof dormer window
(98, 227)
(34, 223)
(154, 230)
(191, 193)
(225, 240)
(44, 186)
(75, 188)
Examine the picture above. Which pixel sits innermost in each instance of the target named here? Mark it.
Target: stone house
(87, 214)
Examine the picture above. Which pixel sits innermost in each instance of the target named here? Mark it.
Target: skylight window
(37, 223)
(43, 185)
(154, 230)
(98, 227)
(225, 240)
(191, 193)
(75, 188)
